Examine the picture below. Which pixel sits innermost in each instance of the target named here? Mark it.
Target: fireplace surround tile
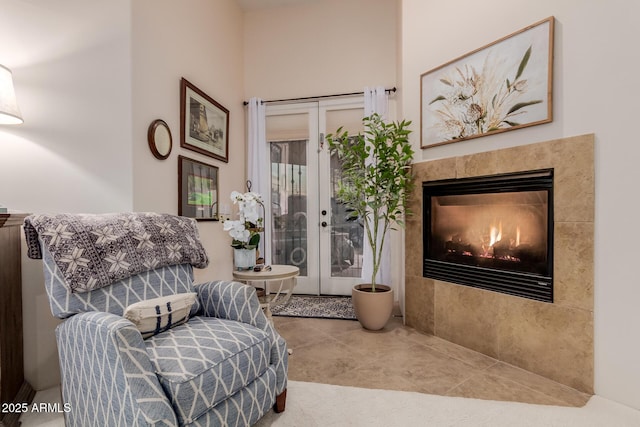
(413, 252)
(477, 165)
(552, 340)
(526, 157)
(444, 169)
(419, 303)
(573, 162)
(574, 278)
(467, 316)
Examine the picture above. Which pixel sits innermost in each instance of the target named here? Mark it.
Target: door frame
(329, 284)
(310, 283)
(318, 280)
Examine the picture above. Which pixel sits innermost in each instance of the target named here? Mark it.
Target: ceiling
(262, 4)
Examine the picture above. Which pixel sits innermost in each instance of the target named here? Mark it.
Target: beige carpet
(322, 405)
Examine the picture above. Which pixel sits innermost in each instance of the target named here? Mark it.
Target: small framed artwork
(197, 189)
(502, 86)
(204, 123)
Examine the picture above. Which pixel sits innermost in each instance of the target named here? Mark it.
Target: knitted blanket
(96, 250)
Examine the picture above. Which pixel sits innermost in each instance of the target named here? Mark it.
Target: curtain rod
(309, 98)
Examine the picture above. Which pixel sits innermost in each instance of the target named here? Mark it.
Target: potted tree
(375, 184)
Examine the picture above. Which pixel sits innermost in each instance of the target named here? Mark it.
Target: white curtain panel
(258, 167)
(376, 100)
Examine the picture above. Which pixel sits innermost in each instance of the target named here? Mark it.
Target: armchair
(226, 365)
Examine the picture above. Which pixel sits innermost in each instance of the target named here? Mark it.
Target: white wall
(320, 48)
(202, 43)
(90, 77)
(594, 91)
(71, 65)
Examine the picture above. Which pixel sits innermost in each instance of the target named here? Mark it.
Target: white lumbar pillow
(157, 315)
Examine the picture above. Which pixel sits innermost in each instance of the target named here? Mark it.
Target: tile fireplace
(554, 340)
(491, 232)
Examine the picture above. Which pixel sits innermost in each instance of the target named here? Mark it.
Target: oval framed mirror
(159, 137)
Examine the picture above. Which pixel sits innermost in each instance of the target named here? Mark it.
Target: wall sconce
(9, 111)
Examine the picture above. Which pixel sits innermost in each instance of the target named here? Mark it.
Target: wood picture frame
(505, 85)
(204, 123)
(197, 189)
(159, 139)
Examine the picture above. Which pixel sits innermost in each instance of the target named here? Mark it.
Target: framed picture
(204, 123)
(503, 86)
(197, 189)
(159, 138)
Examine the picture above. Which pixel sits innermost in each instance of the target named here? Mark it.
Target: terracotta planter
(373, 309)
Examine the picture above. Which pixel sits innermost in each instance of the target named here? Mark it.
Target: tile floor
(341, 352)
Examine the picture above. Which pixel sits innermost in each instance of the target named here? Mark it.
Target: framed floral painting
(502, 86)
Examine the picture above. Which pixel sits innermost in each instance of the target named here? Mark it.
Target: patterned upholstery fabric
(207, 360)
(234, 301)
(246, 407)
(107, 377)
(114, 299)
(225, 366)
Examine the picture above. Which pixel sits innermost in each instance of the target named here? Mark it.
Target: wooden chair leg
(281, 400)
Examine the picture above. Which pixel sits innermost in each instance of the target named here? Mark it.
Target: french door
(310, 228)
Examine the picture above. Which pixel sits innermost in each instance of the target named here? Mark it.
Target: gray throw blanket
(96, 250)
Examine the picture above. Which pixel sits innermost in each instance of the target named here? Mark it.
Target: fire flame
(495, 234)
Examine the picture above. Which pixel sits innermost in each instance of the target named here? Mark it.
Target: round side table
(285, 274)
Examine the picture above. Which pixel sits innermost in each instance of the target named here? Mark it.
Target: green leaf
(520, 105)
(254, 240)
(523, 63)
(439, 98)
(511, 123)
(376, 192)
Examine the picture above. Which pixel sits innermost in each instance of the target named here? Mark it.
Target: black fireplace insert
(492, 232)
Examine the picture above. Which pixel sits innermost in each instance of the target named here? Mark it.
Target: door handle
(323, 223)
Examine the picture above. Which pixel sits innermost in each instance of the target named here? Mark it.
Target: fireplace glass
(492, 232)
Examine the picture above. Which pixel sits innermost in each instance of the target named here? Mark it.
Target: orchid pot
(244, 259)
(245, 231)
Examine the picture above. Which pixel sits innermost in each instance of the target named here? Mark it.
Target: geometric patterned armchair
(225, 365)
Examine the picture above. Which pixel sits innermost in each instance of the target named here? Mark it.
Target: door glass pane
(289, 203)
(347, 233)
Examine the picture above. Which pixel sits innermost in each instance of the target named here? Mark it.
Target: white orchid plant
(245, 231)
